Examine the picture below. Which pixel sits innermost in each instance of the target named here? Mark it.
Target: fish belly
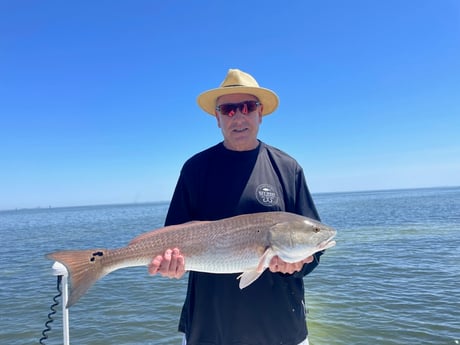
(234, 262)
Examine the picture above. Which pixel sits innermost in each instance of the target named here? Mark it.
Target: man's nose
(241, 111)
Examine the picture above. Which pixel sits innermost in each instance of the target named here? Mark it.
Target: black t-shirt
(219, 183)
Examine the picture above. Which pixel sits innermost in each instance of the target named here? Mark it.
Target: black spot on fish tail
(93, 256)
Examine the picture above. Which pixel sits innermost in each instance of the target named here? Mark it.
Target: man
(240, 175)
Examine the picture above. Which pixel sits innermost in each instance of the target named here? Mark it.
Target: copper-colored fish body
(244, 243)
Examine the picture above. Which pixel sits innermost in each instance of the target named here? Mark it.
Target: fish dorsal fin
(147, 235)
(249, 277)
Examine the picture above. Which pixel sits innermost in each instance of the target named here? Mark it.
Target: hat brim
(207, 100)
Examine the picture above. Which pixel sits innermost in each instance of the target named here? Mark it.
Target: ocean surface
(393, 278)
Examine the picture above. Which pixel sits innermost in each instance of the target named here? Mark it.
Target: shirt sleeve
(304, 204)
(180, 209)
(306, 207)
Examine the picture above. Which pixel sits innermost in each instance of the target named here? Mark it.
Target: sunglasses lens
(251, 106)
(228, 108)
(244, 107)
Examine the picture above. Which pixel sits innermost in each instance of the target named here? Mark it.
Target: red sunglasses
(230, 109)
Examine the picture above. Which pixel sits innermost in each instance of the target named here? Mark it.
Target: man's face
(241, 126)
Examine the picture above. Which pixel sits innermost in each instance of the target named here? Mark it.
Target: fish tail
(85, 267)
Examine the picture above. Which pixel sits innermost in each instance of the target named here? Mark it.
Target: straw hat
(238, 81)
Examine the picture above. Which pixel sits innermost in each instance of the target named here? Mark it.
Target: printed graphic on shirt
(266, 195)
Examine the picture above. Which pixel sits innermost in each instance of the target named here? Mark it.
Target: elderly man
(237, 176)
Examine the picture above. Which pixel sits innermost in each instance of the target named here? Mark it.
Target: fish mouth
(327, 244)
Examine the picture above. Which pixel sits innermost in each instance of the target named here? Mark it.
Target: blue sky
(98, 98)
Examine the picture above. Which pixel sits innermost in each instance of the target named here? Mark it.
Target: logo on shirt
(266, 195)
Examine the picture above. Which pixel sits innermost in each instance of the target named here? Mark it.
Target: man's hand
(171, 264)
(278, 265)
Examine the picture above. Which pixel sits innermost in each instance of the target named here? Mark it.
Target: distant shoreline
(167, 201)
(41, 208)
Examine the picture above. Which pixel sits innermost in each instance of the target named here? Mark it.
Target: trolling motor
(61, 272)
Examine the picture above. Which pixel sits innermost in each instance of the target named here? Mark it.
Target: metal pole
(60, 270)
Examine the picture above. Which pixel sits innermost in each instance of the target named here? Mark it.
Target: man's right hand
(171, 264)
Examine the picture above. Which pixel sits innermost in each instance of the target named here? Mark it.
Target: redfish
(241, 244)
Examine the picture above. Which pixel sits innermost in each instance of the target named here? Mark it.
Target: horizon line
(168, 201)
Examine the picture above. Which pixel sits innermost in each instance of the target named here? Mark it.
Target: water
(393, 278)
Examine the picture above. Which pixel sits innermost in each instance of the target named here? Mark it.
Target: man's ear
(261, 112)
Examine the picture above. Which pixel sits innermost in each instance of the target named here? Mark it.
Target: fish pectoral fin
(265, 259)
(249, 277)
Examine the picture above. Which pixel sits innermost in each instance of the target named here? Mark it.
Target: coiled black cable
(53, 311)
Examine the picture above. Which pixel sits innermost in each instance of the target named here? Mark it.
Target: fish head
(296, 240)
